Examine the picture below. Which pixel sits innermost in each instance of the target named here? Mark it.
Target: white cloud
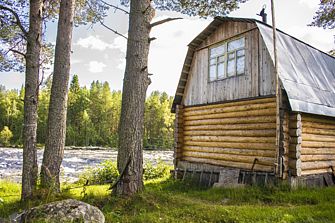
(93, 42)
(312, 4)
(120, 43)
(96, 67)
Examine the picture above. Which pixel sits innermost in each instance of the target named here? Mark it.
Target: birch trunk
(30, 169)
(56, 130)
(135, 84)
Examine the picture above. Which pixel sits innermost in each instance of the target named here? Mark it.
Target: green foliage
(153, 172)
(5, 136)
(108, 172)
(158, 121)
(175, 201)
(325, 16)
(93, 115)
(104, 173)
(201, 8)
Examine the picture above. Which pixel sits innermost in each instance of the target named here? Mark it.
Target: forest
(93, 116)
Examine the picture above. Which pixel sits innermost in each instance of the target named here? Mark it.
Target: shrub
(106, 172)
(152, 172)
(5, 136)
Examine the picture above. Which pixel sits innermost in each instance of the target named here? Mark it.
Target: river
(74, 162)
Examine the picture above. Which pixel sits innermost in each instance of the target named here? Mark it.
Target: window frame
(225, 60)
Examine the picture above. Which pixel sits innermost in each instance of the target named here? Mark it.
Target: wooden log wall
(231, 134)
(295, 130)
(317, 144)
(178, 134)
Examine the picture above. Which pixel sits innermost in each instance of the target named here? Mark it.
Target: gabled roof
(307, 74)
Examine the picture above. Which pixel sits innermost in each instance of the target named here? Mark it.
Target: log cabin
(232, 127)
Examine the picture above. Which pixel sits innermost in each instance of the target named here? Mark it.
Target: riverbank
(75, 161)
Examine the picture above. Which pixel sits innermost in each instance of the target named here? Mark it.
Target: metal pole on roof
(278, 167)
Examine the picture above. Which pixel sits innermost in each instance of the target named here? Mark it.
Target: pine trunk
(56, 130)
(30, 169)
(135, 84)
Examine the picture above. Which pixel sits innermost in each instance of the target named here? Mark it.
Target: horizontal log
(296, 172)
(294, 154)
(230, 104)
(233, 114)
(230, 139)
(245, 166)
(313, 165)
(252, 126)
(318, 151)
(206, 111)
(295, 117)
(318, 144)
(295, 132)
(294, 164)
(318, 125)
(317, 131)
(235, 151)
(245, 120)
(319, 119)
(295, 124)
(324, 157)
(230, 157)
(264, 133)
(318, 138)
(296, 140)
(317, 171)
(262, 146)
(295, 147)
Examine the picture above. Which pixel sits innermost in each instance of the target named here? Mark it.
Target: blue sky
(98, 54)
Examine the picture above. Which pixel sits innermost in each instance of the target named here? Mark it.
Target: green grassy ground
(167, 200)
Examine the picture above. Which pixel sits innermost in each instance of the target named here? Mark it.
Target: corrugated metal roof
(307, 74)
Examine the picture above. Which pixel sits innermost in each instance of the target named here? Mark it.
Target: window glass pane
(231, 68)
(212, 61)
(214, 52)
(221, 70)
(212, 73)
(236, 44)
(240, 53)
(240, 64)
(231, 56)
(221, 59)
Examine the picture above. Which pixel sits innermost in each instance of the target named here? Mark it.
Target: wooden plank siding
(231, 134)
(317, 144)
(258, 79)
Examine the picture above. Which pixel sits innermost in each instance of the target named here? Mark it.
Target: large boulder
(63, 211)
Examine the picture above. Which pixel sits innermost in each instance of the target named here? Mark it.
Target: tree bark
(30, 169)
(56, 130)
(135, 84)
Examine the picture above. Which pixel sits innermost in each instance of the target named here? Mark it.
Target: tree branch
(107, 27)
(114, 6)
(18, 52)
(163, 21)
(113, 30)
(18, 21)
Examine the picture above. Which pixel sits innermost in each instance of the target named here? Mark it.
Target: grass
(167, 200)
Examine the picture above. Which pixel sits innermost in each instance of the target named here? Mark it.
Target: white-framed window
(227, 59)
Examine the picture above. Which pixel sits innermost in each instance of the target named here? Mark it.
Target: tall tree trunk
(135, 84)
(30, 169)
(56, 130)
